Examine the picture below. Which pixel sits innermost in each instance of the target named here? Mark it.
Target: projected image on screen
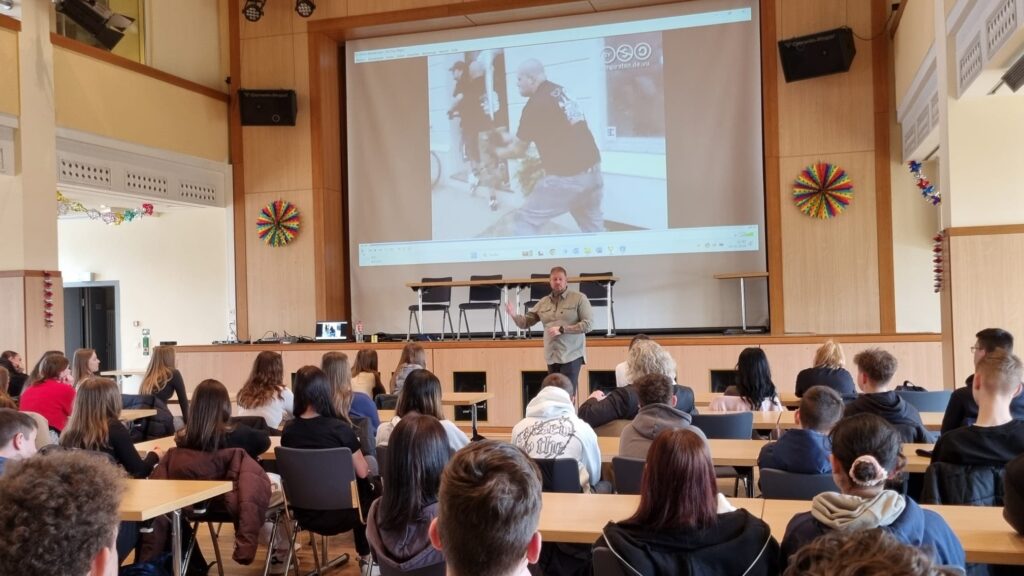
(529, 138)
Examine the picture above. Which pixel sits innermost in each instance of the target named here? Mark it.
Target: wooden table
(120, 375)
(146, 499)
(788, 399)
(505, 284)
(742, 276)
(137, 414)
(787, 419)
(470, 399)
(579, 518)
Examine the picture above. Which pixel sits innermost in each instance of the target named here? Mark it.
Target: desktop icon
(575, 250)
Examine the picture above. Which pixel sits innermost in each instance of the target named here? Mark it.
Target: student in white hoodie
(551, 429)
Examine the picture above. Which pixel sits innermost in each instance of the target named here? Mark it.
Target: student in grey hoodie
(657, 413)
(551, 429)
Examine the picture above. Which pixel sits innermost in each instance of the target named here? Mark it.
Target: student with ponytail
(865, 456)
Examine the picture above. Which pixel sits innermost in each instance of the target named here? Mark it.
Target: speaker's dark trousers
(570, 369)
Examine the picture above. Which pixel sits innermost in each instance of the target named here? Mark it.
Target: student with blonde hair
(829, 370)
(95, 425)
(163, 379)
(264, 393)
(85, 364)
(348, 404)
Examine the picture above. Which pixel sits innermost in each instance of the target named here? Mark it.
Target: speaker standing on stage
(566, 317)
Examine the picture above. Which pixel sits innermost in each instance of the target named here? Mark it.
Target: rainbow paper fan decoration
(278, 223)
(823, 190)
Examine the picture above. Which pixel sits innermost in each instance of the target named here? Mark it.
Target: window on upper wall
(131, 46)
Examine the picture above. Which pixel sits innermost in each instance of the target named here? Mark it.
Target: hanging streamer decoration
(278, 223)
(823, 190)
(937, 253)
(47, 299)
(114, 217)
(928, 191)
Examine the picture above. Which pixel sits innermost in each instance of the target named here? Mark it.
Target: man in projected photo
(572, 179)
(566, 316)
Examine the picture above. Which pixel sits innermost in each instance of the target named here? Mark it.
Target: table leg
(419, 313)
(472, 412)
(743, 304)
(608, 311)
(176, 543)
(519, 333)
(504, 311)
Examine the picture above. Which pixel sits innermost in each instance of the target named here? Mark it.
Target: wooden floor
(336, 545)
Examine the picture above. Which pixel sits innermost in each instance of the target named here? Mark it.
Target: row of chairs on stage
(488, 297)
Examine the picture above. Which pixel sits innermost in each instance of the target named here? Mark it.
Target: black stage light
(305, 8)
(253, 10)
(106, 25)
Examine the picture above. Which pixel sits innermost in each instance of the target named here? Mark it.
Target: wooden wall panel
(358, 7)
(830, 267)
(12, 310)
(985, 276)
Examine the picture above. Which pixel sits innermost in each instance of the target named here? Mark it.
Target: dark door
(90, 321)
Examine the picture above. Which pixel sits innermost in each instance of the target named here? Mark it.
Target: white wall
(173, 272)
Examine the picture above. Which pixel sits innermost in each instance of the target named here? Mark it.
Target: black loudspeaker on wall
(817, 54)
(267, 107)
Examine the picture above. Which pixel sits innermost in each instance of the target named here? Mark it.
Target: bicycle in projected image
(435, 169)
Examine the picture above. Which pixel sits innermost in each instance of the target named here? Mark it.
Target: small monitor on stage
(336, 331)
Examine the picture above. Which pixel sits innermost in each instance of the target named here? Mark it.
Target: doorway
(92, 320)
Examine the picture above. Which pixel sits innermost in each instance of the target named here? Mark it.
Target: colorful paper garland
(823, 190)
(278, 223)
(111, 217)
(47, 299)
(928, 191)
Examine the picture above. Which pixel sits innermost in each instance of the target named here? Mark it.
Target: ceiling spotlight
(6, 5)
(253, 10)
(305, 8)
(99, 20)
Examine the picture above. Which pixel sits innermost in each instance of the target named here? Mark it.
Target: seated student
(65, 507)
(414, 357)
(52, 394)
(84, 365)
(1013, 494)
(422, 394)
(622, 368)
(754, 389)
(683, 525)
(875, 369)
(865, 455)
(209, 426)
(264, 393)
(962, 409)
(551, 429)
(17, 436)
(5, 381)
(487, 511)
(645, 357)
(398, 523)
(12, 361)
(657, 413)
(805, 450)
(348, 404)
(316, 426)
(995, 438)
(872, 552)
(95, 425)
(163, 380)
(365, 376)
(829, 370)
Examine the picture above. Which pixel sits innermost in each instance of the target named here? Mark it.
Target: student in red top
(53, 395)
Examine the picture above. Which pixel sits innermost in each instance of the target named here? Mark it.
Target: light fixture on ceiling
(305, 8)
(1014, 76)
(6, 5)
(253, 10)
(103, 23)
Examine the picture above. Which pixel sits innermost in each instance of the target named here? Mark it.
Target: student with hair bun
(865, 455)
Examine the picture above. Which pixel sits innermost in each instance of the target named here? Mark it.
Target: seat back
(538, 291)
(612, 429)
(382, 458)
(142, 429)
(931, 401)
(559, 475)
(485, 293)
(629, 473)
(781, 485)
(367, 435)
(727, 425)
(437, 294)
(595, 290)
(316, 479)
(386, 401)
(434, 570)
(606, 564)
(42, 430)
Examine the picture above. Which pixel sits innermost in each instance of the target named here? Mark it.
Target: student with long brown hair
(414, 357)
(34, 376)
(51, 393)
(95, 425)
(84, 365)
(5, 399)
(348, 404)
(682, 522)
(264, 393)
(163, 379)
(365, 376)
(210, 429)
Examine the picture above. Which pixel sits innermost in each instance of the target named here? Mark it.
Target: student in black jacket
(645, 357)
(962, 409)
(15, 366)
(1013, 497)
(163, 380)
(875, 369)
(829, 370)
(209, 426)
